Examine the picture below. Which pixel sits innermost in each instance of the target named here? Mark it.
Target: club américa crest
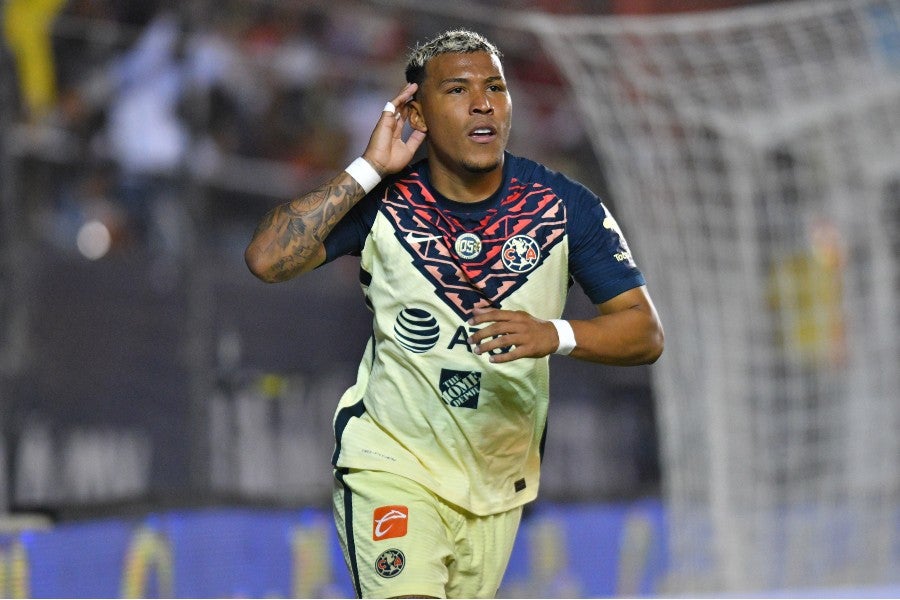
(520, 254)
(390, 563)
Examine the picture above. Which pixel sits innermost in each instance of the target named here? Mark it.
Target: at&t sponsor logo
(416, 330)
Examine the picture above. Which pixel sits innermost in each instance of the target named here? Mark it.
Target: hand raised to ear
(387, 151)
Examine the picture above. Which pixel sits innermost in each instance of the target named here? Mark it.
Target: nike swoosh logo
(414, 238)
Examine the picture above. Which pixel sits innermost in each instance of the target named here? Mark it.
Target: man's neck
(465, 186)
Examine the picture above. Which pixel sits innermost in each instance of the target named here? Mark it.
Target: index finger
(483, 314)
(403, 97)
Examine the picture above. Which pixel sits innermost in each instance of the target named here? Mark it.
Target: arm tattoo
(301, 225)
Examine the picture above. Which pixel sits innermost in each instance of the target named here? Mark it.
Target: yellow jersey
(424, 405)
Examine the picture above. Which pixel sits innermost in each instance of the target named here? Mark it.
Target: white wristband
(566, 336)
(364, 174)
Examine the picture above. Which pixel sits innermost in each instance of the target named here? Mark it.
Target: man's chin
(482, 167)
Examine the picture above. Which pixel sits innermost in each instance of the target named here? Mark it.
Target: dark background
(163, 373)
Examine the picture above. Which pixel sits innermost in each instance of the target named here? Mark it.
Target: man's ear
(416, 118)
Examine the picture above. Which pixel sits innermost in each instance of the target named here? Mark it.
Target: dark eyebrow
(453, 80)
(491, 79)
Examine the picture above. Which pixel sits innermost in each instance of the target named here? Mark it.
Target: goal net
(753, 156)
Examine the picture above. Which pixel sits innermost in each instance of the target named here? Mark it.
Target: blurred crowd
(148, 132)
(256, 99)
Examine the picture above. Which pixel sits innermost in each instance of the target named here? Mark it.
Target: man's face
(464, 106)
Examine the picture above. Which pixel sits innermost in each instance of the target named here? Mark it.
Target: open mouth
(483, 135)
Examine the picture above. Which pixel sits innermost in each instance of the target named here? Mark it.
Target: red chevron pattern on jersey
(515, 237)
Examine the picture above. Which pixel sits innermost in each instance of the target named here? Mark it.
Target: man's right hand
(387, 152)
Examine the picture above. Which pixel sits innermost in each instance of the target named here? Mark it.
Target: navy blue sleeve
(349, 235)
(599, 257)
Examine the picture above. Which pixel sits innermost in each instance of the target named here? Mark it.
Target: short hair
(455, 41)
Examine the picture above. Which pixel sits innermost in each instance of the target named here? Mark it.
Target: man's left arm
(626, 331)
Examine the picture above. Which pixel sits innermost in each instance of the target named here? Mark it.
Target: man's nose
(481, 104)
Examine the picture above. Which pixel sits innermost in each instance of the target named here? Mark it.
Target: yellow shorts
(400, 539)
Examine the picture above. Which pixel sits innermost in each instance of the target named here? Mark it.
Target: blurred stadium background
(166, 417)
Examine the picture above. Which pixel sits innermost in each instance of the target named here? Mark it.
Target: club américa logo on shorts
(390, 563)
(389, 522)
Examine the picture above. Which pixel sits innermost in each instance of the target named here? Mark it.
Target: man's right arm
(289, 239)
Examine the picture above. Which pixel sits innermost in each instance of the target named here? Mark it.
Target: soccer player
(465, 261)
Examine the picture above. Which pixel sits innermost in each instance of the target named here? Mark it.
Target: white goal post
(753, 157)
